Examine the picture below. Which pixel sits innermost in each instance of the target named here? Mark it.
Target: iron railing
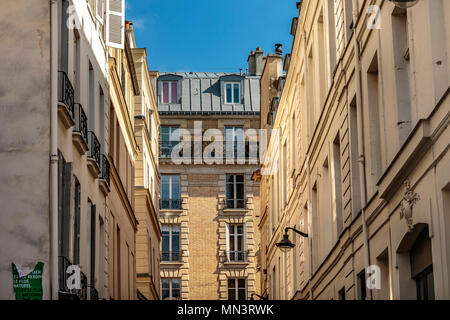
(81, 122)
(64, 263)
(170, 204)
(94, 148)
(171, 256)
(106, 169)
(165, 148)
(93, 293)
(66, 93)
(236, 256)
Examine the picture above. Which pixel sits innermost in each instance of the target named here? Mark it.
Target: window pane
(240, 179)
(176, 284)
(175, 242)
(230, 191)
(165, 191)
(175, 187)
(229, 93)
(174, 92)
(165, 92)
(236, 93)
(165, 283)
(240, 191)
(165, 294)
(242, 295)
(231, 283)
(231, 294)
(176, 294)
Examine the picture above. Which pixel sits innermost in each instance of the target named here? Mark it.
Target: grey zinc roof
(201, 93)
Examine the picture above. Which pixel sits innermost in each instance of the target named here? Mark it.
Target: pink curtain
(174, 92)
(165, 92)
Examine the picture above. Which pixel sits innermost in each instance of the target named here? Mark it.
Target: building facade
(73, 150)
(54, 152)
(146, 128)
(208, 209)
(363, 154)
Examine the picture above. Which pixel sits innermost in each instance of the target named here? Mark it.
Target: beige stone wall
(203, 220)
(402, 137)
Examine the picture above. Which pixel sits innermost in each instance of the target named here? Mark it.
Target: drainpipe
(309, 208)
(361, 158)
(54, 152)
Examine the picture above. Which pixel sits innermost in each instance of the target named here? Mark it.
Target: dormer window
(169, 92)
(232, 92)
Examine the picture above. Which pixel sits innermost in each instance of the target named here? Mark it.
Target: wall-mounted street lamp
(261, 297)
(285, 244)
(404, 3)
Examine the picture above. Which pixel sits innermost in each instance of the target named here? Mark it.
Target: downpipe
(54, 4)
(361, 157)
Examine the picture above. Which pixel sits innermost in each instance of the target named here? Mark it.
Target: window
(422, 266)
(170, 192)
(362, 285)
(170, 138)
(232, 93)
(76, 226)
(341, 294)
(236, 251)
(237, 289)
(171, 289)
(235, 142)
(170, 92)
(235, 192)
(170, 251)
(425, 285)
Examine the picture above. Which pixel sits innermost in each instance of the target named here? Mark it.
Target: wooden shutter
(65, 223)
(100, 10)
(115, 23)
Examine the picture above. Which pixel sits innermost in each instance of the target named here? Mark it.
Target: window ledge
(168, 212)
(171, 263)
(232, 263)
(234, 211)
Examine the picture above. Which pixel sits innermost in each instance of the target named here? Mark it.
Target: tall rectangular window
(237, 289)
(169, 92)
(336, 180)
(235, 142)
(170, 192)
(170, 138)
(362, 285)
(236, 251)
(232, 93)
(77, 223)
(171, 289)
(171, 243)
(235, 192)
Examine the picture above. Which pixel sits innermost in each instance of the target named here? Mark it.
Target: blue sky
(209, 35)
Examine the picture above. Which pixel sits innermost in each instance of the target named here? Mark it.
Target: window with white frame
(170, 251)
(232, 92)
(236, 246)
(235, 192)
(237, 289)
(171, 289)
(235, 142)
(169, 92)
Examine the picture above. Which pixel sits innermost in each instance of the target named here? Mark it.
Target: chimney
(256, 62)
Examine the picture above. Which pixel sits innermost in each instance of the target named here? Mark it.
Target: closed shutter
(65, 223)
(245, 242)
(115, 23)
(100, 10)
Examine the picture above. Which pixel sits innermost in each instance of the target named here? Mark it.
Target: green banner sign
(28, 287)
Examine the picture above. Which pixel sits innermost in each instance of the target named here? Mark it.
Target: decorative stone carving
(410, 198)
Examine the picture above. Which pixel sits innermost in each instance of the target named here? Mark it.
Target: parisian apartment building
(358, 154)
(209, 204)
(79, 153)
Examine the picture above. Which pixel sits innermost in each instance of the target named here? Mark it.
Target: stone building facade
(210, 237)
(363, 154)
(71, 150)
(146, 193)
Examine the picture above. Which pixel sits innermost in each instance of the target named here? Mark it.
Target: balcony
(105, 178)
(236, 257)
(74, 294)
(80, 131)
(66, 105)
(171, 257)
(94, 155)
(165, 148)
(170, 204)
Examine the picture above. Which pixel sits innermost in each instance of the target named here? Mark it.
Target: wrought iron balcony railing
(105, 170)
(64, 263)
(171, 256)
(94, 148)
(170, 204)
(81, 122)
(236, 256)
(93, 293)
(66, 93)
(165, 148)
